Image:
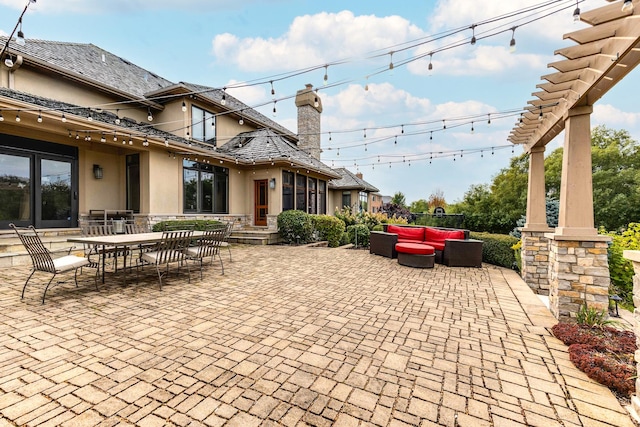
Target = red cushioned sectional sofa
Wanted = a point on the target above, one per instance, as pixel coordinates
(453, 246)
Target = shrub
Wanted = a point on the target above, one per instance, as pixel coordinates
(359, 235)
(497, 248)
(295, 226)
(329, 228)
(346, 216)
(197, 224)
(344, 239)
(621, 269)
(517, 253)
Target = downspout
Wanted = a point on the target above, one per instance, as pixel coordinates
(16, 65)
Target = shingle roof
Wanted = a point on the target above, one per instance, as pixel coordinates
(233, 104)
(264, 145)
(92, 63)
(349, 181)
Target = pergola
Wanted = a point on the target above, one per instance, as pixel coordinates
(570, 261)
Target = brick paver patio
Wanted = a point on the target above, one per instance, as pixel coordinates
(292, 336)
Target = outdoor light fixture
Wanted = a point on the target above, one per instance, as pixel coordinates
(272, 183)
(224, 96)
(473, 35)
(576, 13)
(627, 6)
(149, 115)
(97, 172)
(8, 61)
(184, 107)
(512, 43)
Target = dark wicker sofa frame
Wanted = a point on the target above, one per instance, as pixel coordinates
(456, 253)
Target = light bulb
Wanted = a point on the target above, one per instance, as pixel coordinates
(184, 107)
(18, 117)
(64, 118)
(627, 6)
(39, 117)
(149, 116)
(576, 14)
(241, 121)
(1, 118)
(8, 62)
(20, 38)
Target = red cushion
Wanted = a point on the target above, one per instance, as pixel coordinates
(438, 246)
(414, 248)
(435, 235)
(409, 241)
(409, 233)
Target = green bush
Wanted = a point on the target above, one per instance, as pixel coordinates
(497, 248)
(344, 239)
(378, 227)
(329, 228)
(359, 235)
(346, 216)
(621, 269)
(197, 224)
(295, 227)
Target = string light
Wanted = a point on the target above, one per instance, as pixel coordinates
(540, 116)
(472, 130)
(18, 116)
(149, 115)
(489, 120)
(1, 117)
(274, 108)
(241, 121)
(326, 75)
(39, 116)
(224, 96)
(102, 138)
(63, 119)
(473, 34)
(273, 91)
(391, 61)
(627, 6)
(512, 43)
(430, 67)
(118, 113)
(184, 107)
(576, 13)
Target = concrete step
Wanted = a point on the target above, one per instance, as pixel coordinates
(13, 253)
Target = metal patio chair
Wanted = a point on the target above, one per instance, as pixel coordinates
(171, 249)
(225, 241)
(208, 246)
(43, 259)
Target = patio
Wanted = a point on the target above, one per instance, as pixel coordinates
(292, 336)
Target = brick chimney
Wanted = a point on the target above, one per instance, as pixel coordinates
(309, 110)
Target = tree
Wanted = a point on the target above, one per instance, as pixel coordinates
(399, 200)
(419, 206)
(437, 199)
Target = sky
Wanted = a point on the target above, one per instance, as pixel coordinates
(386, 122)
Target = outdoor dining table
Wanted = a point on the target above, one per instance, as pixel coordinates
(122, 241)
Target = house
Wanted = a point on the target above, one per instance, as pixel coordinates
(83, 130)
(350, 190)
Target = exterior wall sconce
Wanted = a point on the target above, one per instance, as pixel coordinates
(272, 183)
(97, 172)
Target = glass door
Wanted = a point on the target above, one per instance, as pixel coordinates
(15, 190)
(55, 194)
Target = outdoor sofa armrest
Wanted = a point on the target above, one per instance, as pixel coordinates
(382, 243)
(462, 253)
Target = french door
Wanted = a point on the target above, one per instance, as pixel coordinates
(38, 189)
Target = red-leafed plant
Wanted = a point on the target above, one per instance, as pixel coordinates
(604, 353)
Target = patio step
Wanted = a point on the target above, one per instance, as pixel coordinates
(254, 237)
(12, 253)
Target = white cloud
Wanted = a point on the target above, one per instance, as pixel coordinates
(250, 95)
(315, 39)
(611, 116)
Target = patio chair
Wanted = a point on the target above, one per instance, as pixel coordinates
(43, 260)
(225, 241)
(97, 253)
(208, 247)
(171, 249)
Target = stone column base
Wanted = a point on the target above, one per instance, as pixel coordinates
(535, 261)
(578, 274)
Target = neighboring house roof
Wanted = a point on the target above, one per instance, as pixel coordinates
(265, 145)
(349, 181)
(92, 64)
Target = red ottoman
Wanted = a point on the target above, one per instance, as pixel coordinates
(415, 255)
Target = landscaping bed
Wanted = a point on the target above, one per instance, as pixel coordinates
(604, 353)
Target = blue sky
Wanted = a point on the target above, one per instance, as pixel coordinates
(220, 43)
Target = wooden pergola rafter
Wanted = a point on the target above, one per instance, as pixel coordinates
(605, 53)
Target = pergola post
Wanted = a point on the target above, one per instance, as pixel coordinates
(578, 265)
(535, 246)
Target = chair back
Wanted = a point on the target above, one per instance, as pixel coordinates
(173, 246)
(96, 228)
(209, 243)
(137, 226)
(40, 255)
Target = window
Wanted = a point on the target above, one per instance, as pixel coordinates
(301, 193)
(205, 188)
(287, 191)
(363, 205)
(322, 197)
(133, 182)
(346, 199)
(203, 125)
(313, 206)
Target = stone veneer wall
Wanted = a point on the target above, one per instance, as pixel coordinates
(578, 272)
(535, 261)
(634, 257)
